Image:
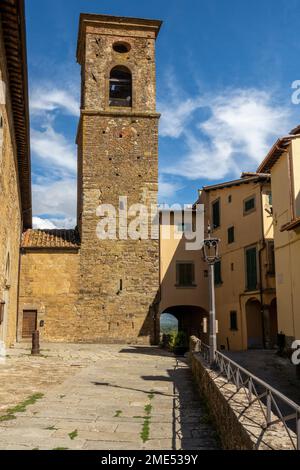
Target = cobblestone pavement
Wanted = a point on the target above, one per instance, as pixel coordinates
(101, 397)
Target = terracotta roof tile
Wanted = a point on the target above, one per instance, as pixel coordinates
(50, 239)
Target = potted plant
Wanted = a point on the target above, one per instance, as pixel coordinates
(180, 345)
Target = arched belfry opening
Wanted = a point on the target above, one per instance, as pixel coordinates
(120, 87)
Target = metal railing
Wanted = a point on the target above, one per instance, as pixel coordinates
(270, 400)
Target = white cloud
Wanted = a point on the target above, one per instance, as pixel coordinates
(57, 200)
(54, 155)
(43, 224)
(66, 223)
(53, 149)
(237, 135)
(175, 117)
(167, 189)
(45, 99)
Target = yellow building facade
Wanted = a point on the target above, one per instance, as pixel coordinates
(283, 163)
(239, 213)
(183, 284)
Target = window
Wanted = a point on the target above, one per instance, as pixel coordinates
(229, 199)
(184, 227)
(249, 205)
(217, 269)
(2, 305)
(121, 47)
(230, 234)
(233, 321)
(216, 213)
(271, 258)
(120, 87)
(251, 268)
(185, 274)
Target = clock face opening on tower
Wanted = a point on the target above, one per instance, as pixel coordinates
(120, 87)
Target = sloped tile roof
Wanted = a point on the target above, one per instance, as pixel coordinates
(50, 239)
(12, 18)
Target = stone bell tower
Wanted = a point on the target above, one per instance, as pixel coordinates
(117, 157)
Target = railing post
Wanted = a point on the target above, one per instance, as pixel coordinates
(250, 389)
(237, 380)
(269, 407)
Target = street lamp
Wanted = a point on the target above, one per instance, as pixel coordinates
(211, 255)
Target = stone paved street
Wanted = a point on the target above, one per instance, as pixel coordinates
(101, 397)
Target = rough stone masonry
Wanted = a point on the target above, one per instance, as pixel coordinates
(113, 293)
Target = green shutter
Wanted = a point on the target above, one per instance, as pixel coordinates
(185, 274)
(251, 268)
(216, 214)
(231, 235)
(233, 321)
(217, 269)
(249, 204)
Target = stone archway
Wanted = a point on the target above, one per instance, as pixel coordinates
(254, 324)
(190, 319)
(168, 323)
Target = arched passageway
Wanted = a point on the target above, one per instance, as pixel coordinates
(168, 324)
(190, 319)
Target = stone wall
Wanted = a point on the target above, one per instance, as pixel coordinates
(118, 157)
(11, 223)
(108, 291)
(49, 285)
(240, 426)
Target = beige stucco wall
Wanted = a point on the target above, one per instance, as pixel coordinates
(10, 226)
(287, 244)
(173, 250)
(295, 154)
(49, 285)
(250, 230)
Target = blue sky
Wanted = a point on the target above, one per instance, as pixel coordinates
(224, 75)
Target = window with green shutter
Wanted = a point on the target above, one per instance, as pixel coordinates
(233, 321)
(231, 235)
(185, 274)
(249, 205)
(217, 269)
(251, 268)
(216, 214)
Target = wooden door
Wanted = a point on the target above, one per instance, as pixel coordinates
(29, 323)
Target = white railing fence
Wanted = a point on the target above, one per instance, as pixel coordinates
(275, 407)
